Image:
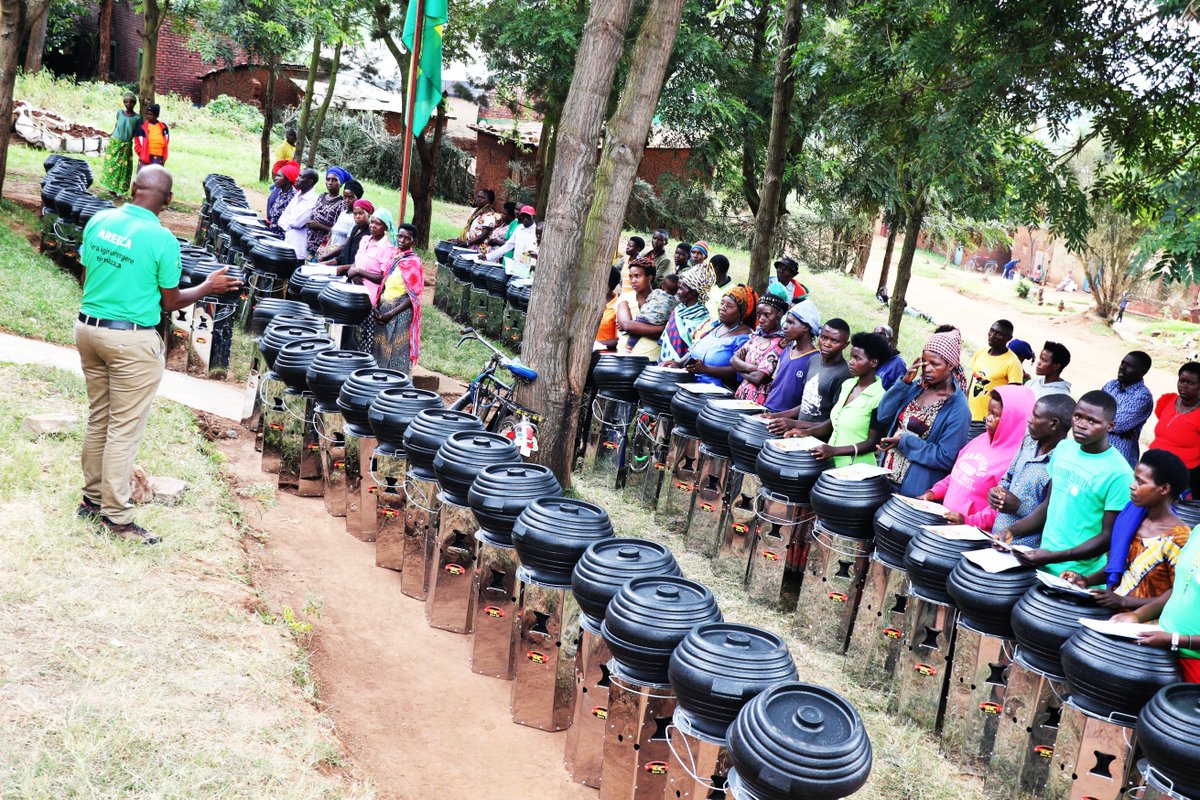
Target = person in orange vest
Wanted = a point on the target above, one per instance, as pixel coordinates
(151, 138)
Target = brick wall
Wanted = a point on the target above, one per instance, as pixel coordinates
(492, 157)
(249, 85)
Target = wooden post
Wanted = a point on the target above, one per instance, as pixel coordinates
(410, 99)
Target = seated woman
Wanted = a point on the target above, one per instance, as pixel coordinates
(690, 314)
(1178, 427)
(482, 221)
(344, 258)
(343, 226)
(640, 337)
(716, 341)
(1177, 612)
(398, 307)
(983, 463)
(506, 223)
(1146, 537)
(925, 421)
(852, 431)
(756, 360)
(371, 265)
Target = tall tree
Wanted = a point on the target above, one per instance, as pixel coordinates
(554, 349)
(104, 39)
(771, 191)
(16, 21)
(37, 42)
(154, 13)
(306, 103)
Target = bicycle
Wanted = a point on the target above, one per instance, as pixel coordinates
(491, 399)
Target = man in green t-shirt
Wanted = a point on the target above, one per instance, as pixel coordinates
(131, 276)
(1089, 485)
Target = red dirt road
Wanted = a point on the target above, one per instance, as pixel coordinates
(407, 707)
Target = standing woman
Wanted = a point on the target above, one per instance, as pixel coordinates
(926, 421)
(282, 193)
(326, 211)
(344, 259)
(717, 340)
(689, 315)
(398, 310)
(1178, 427)
(371, 262)
(343, 226)
(756, 361)
(117, 171)
(852, 440)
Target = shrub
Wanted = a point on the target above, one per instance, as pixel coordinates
(1023, 288)
(230, 109)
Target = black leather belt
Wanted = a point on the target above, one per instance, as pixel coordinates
(113, 324)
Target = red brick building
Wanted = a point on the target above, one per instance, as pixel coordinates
(248, 83)
(496, 151)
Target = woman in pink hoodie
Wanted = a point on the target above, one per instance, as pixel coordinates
(982, 463)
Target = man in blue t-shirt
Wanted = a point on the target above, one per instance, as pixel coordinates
(1089, 485)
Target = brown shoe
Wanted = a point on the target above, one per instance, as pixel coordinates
(88, 511)
(130, 532)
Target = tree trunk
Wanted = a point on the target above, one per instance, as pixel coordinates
(863, 254)
(542, 160)
(749, 145)
(421, 189)
(15, 22)
(320, 121)
(104, 32)
(770, 194)
(264, 162)
(543, 185)
(559, 350)
(912, 232)
(306, 103)
(37, 43)
(893, 227)
(153, 14)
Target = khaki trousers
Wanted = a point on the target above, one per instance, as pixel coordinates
(122, 370)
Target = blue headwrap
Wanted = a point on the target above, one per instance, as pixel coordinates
(341, 174)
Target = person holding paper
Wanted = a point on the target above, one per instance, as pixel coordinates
(1027, 481)
(523, 241)
(823, 381)
(1088, 487)
(1177, 612)
(1146, 538)
(983, 462)
(926, 421)
(851, 429)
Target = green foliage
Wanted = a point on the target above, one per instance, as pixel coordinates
(1023, 289)
(231, 109)
(37, 299)
(64, 24)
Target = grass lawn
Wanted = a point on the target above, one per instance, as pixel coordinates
(141, 671)
(908, 763)
(37, 299)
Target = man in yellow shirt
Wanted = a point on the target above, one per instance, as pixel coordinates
(992, 367)
(287, 148)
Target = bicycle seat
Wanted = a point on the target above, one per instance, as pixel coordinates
(520, 370)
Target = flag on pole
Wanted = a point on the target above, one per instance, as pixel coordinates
(429, 60)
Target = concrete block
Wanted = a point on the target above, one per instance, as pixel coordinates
(48, 424)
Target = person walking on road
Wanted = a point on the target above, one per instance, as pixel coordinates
(131, 277)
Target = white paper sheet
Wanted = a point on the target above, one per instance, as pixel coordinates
(737, 404)
(858, 472)
(1058, 584)
(961, 533)
(317, 269)
(992, 560)
(703, 388)
(795, 443)
(928, 506)
(1125, 630)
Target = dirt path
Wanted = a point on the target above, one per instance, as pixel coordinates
(1094, 357)
(407, 707)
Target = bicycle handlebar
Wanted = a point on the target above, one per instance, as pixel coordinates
(516, 368)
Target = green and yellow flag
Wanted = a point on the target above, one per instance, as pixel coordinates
(429, 60)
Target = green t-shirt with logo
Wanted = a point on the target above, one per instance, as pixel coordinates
(127, 256)
(1083, 487)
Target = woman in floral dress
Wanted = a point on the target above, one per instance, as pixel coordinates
(327, 210)
(756, 361)
(117, 171)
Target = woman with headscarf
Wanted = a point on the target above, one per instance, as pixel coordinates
(282, 193)
(689, 315)
(925, 420)
(339, 234)
(371, 262)
(326, 211)
(482, 222)
(756, 361)
(344, 259)
(398, 308)
(699, 253)
(117, 171)
(717, 340)
(982, 464)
